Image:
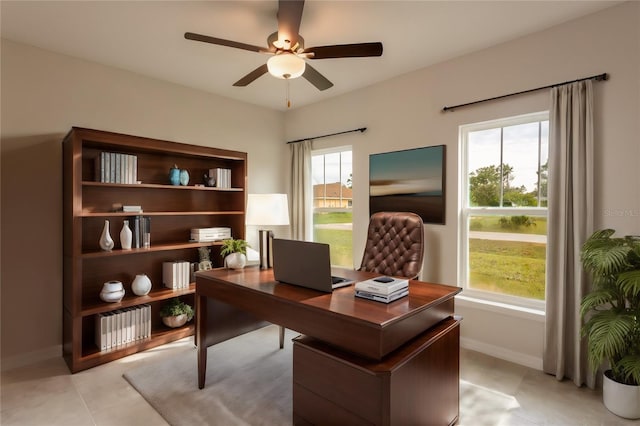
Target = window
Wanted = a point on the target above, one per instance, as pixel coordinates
(504, 209)
(332, 203)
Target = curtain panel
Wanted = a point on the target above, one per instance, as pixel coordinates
(570, 223)
(301, 190)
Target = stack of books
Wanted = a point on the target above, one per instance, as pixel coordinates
(119, 328)
(222, 176)
(201, 235)
(118, 168)
(176, 274)
(382, 289)
(131, 209)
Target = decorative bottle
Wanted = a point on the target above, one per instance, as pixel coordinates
(126, 236)
(106, 242)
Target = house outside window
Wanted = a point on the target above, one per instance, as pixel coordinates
(331, 172)
(503, 218)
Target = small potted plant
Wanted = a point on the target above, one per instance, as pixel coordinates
(234, 252)
(176, 313)
(612, 314)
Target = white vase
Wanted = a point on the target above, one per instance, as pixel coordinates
(112, 291)
(141, 285)
(126, 236)
(106, 242)
(622, 400)
(235, 261)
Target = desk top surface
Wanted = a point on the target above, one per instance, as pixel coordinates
(342, 301)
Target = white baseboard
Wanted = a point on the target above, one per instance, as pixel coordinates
(16, 361)
(502, 353)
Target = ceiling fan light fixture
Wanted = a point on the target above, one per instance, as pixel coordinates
(286, 66)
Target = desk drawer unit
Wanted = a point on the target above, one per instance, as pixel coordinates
(417, 384)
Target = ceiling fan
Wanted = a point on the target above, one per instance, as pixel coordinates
(287, 47)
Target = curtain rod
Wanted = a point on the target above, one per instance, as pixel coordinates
(361, 129)
(599, 77)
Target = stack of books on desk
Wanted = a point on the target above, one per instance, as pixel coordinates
(382, 289)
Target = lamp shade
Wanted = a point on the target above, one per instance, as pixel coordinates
(267, 209)
(286, 65)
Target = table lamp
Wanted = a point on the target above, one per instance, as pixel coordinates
(267, 210)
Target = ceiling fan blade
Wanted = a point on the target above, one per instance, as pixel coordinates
(249, 78)
(315, 78)
(289, 18)
(223, 42)
(345, 50)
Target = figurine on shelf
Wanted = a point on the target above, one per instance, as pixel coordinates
(209, 181)
(205, 260)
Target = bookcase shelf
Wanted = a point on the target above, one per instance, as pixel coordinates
(173, 213)
(153, 248)
(92, 356)
(99, 307)
(159, 186)
(173, 210)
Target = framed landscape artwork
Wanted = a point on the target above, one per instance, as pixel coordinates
(412, 180)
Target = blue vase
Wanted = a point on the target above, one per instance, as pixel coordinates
(174, 175)
(184, 177)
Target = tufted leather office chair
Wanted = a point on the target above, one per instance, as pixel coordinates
(395, 245)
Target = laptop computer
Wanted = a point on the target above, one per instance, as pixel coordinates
(306, 264)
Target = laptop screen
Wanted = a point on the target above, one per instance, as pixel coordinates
(303, 263)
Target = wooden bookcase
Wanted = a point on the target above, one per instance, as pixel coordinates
(173, 210)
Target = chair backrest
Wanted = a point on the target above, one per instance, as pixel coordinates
(395, 244)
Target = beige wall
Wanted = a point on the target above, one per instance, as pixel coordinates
(405, 112)
(43, 95)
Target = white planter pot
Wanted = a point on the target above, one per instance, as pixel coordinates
(176, 321)
(622, 400)
(235, 261)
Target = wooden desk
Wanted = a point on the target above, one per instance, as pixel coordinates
(369, 330)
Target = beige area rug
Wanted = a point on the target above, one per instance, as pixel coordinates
(249, 383)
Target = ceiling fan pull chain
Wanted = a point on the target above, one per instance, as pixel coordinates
(288, 97)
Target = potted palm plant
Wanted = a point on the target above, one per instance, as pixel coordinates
(234, 252)
(612, 317)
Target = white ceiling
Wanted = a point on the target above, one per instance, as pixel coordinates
(147, 37)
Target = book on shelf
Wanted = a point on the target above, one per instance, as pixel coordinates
(131, 209)
(210, 234)
(123, 326)
(382, 285)
(115, 167)
(141, 231)
(222, 175)
(383, 298)
(176, 274)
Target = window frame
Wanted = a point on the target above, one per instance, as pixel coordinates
(324, 152)
(466, 211)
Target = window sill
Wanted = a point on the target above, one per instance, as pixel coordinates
(501, 308)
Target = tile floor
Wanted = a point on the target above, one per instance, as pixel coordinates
(47, 394)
